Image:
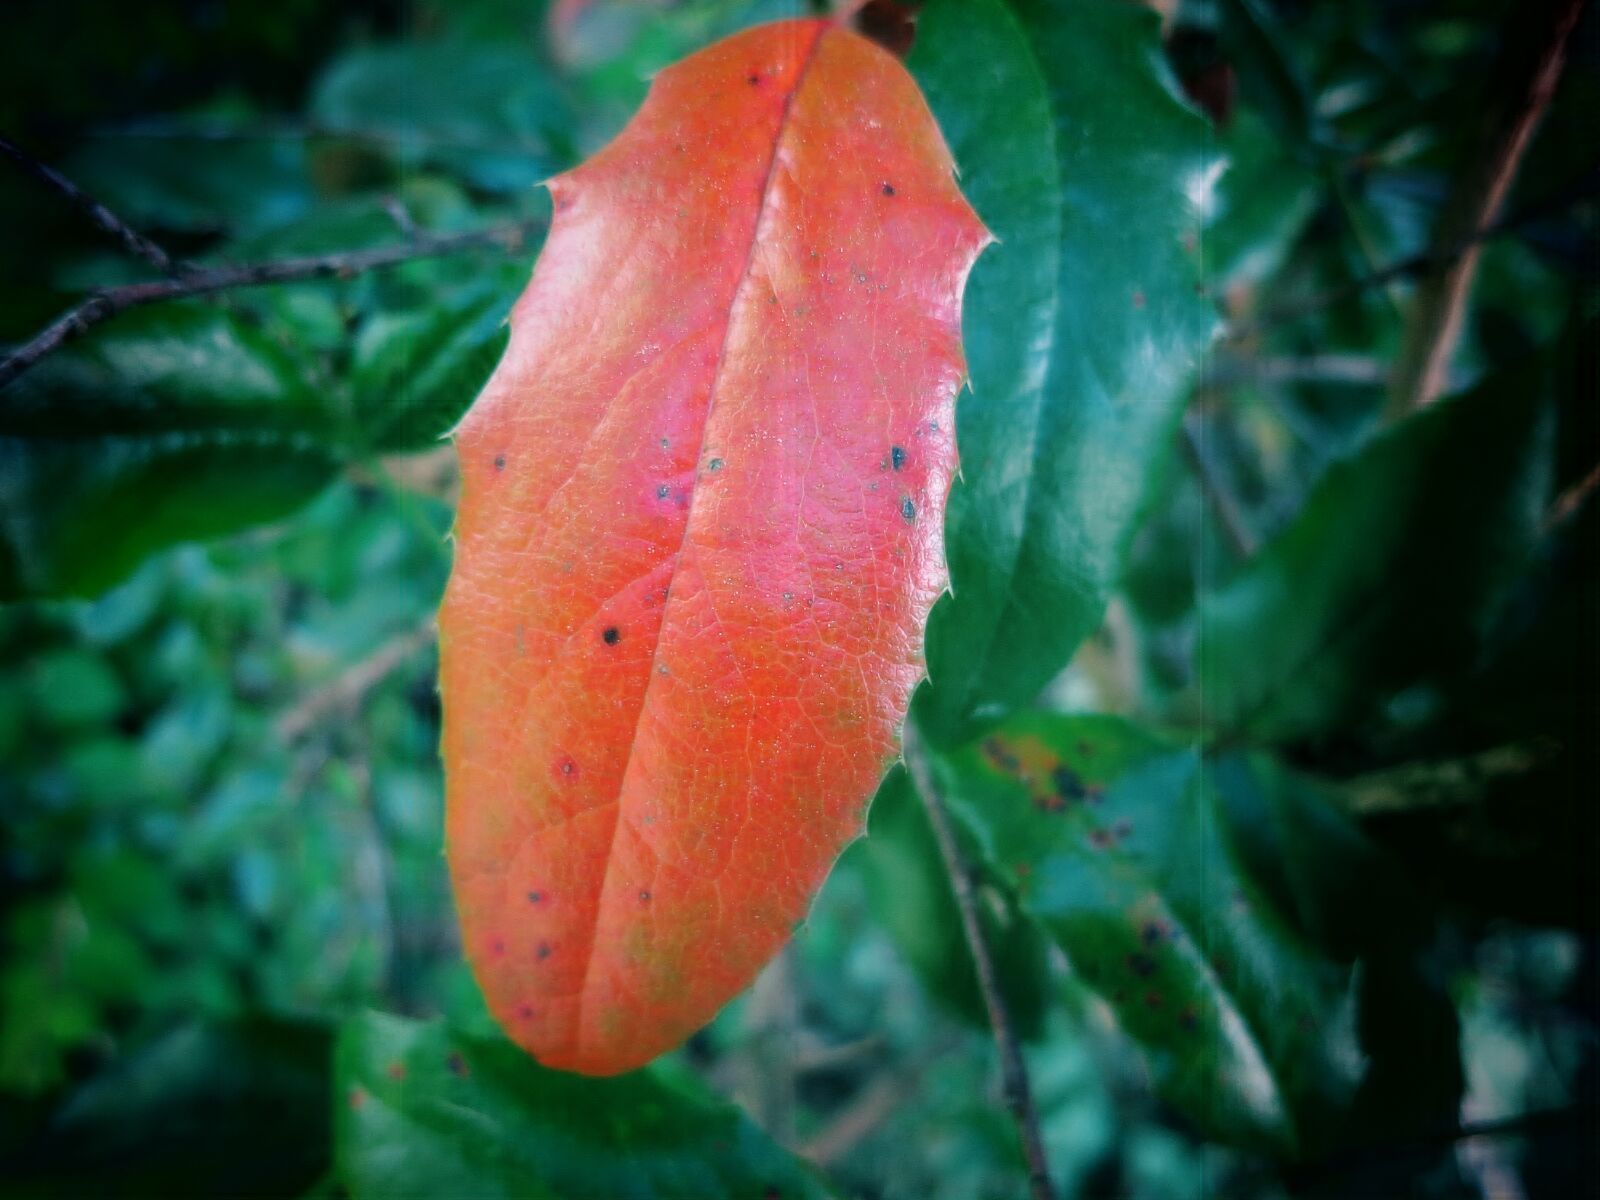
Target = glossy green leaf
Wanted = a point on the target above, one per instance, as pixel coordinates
(1115, 841)
(1082, 325)
(1259, 206)
(425, 1111)
(184, 422)
(492, 114)
(1389, 572)
(908, 887)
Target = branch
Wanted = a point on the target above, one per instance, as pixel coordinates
(102, 218)
(1240, 540)
(108, 302)
(1439, 307)
(1013, 1072)
(350, 686)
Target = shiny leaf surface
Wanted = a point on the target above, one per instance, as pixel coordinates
(699, 534)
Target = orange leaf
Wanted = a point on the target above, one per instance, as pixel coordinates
(699, 535)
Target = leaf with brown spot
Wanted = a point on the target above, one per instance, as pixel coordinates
(698, 323)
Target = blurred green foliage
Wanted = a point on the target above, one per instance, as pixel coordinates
(1289, 871)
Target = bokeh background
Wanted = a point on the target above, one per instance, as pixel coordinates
(220, 801)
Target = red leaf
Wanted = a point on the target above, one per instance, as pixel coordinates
(699, 535)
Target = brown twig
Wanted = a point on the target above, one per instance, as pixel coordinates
(347, 689)
(1439, 307)
(108, 302)
(102, 218)
(1221, 501)
(1013, 1072)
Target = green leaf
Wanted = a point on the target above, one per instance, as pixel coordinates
(1389, 572)
(1261, 203)
(1081, 326)
(490, 113)
(1115, 842)
(423, 1111)
(908, 887)
(202, 1110)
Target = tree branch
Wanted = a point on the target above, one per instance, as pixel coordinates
(1240, 540)
(200, 281)
(102, 218)
(1439, 308)
(1013, 1072)
(351, 685)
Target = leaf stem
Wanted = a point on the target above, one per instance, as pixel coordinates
(200, 281)
(1013, 1072)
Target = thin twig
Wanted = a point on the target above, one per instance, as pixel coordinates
(1240, 540)
(98, 215)
(1013, 1072)
(1439, 307)
(1415, 264)
(351, 685)
(108, 302)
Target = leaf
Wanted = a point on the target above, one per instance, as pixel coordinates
(182, 422)
(909, 889)
(1082, 326)
(1114, 841)
(490, 113)
(1388, 573)
(201, 1110)
(698, 537)
(427, 1112)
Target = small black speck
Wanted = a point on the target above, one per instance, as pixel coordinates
(888, 189)
(908, 510)
(665, 442)
(753, 80)
(543, 952)
(897, 457)
(499, 462)
(612, 635)
(714, 465)
(535, 897)
(662, 491)
(644, 896)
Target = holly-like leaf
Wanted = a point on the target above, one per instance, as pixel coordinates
(699, 535)
(424, 1111)
(1082, 327)
(1115, 841)
(1389, 573)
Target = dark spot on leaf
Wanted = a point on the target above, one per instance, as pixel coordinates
(525, 1011)
(714, 465)
(1100, 838)
(859, 276)
(1138, 299)
(644, 896)
(1189, 1020)
(1086, 749)
(1141, 965)
(358, 1097)
(897, 457)
(999, 754)
(611, 636)
(499, 462)
(1153, 932)
(1152, 1000)
(1123, 829)
(788, 597)
(395, 1071)
(567, 767)
(662, 491)
(888, 189)
(1067, 784)
(1048, 802)
(1094, 793)
(456, 1065)
(543, 951)
(908, 510)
